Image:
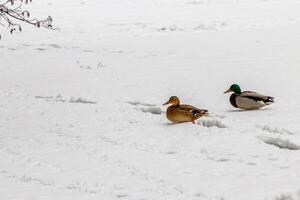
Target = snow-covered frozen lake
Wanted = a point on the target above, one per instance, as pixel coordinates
(81, 108)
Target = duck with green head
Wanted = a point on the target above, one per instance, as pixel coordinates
(247, 100)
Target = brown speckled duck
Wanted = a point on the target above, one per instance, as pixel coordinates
(183, 113)
(248, 100)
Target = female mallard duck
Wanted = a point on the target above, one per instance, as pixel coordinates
(183, 113)
(247, 100)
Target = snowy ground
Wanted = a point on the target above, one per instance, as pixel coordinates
(81, 115)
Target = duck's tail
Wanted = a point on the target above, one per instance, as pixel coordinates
(270, 100)
(201, 113)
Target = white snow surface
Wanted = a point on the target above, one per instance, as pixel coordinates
(81, 108)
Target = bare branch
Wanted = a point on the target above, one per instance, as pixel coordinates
(12, 14)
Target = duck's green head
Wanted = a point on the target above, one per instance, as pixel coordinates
(234, 88)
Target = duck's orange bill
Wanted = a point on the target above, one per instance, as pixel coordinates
(227, 91)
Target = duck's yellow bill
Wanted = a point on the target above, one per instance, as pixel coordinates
(227, 91)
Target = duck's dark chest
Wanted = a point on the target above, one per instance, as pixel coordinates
(233, 100)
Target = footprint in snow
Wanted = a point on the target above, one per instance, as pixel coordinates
(60, 98)
(279, 137)
(277, 130)
(209, 123)
(146, 107)
(283, 143)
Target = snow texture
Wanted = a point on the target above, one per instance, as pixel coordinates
(81, 108)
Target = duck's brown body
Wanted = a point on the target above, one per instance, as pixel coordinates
(183, 113)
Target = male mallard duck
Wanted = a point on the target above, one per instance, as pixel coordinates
(247, 100)
(183, 113)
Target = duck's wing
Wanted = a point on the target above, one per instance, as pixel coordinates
(257, 97)
(248, 103)
(252, 100)
(193, 110)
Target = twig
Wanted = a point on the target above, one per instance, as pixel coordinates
(12, 14)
